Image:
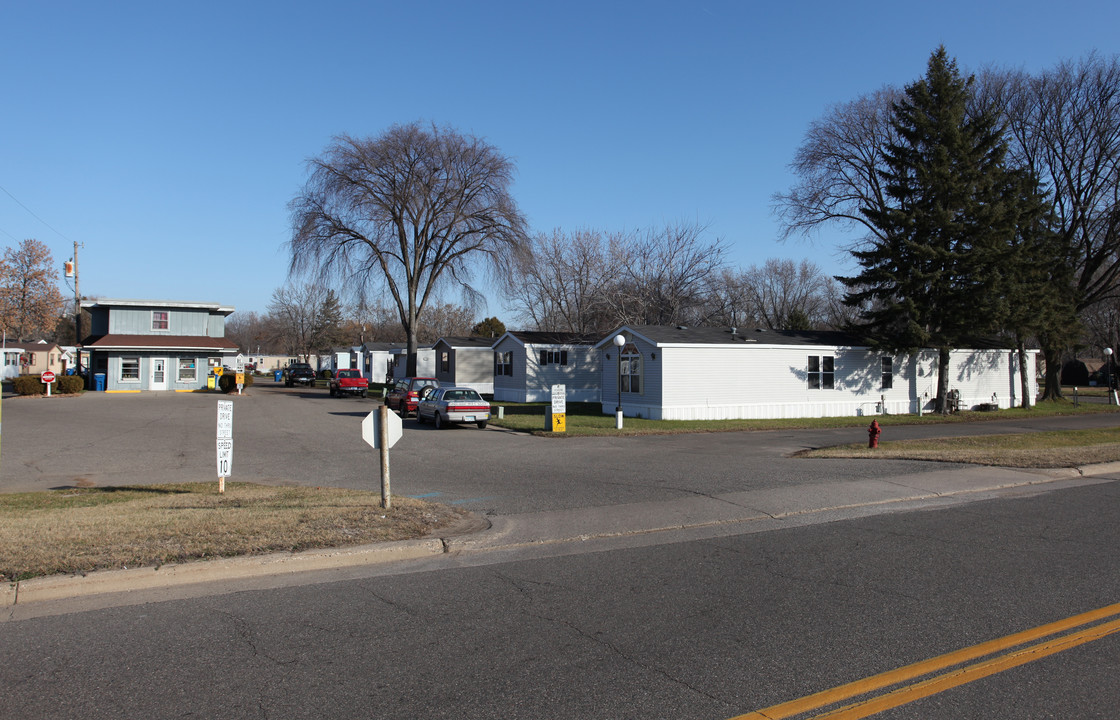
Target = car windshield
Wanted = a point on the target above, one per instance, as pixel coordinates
(349, 373)
(461, 395)
(424, 383)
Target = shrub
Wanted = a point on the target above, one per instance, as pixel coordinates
(70, 384)
(325, 374)
(28, 385)
(228, 383)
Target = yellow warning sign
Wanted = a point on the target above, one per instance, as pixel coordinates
(559, 423)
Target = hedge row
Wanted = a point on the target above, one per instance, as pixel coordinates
(63, 385)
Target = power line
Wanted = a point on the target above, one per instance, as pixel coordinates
(32, 214)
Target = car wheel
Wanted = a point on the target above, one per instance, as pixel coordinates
(362, 394)
(332, 392)
(419, 416)
(481, 424)
(437, 420)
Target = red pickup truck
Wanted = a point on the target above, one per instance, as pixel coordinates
(348, 382)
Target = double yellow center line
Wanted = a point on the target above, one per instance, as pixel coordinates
(1005, 653)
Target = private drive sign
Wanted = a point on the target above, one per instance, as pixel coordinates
(225, 442)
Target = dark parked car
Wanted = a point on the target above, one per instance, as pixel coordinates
(299, 374)
(453, 405)
(407, 392)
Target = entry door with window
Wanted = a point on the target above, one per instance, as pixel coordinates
(159, 374)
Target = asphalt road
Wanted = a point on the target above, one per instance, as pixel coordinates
(700, 629)
(300, 436)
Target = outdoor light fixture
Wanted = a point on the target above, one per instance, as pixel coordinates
(619, 341)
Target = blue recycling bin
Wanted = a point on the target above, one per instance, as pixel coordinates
(99, 382)
(278, 375)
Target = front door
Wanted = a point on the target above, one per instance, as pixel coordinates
(159, 374)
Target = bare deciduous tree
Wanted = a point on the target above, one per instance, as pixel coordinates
(561, 280)
(30, 302)
(839, 165)
(590, 282)
(411, 210)
(296, 311)
(667, 277)
(782, 289)
(1065, 124)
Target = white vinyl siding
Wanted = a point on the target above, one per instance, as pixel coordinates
(771, 382)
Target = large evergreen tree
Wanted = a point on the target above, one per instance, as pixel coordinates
(929, 276)
(1036, 276)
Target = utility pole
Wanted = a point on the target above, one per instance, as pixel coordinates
(77, 312)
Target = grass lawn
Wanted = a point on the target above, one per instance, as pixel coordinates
(84, 529)
(586, 419)
(1069, 448)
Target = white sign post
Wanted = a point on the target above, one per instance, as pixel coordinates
(239, 370)
(557, 421)
(381, 431)
(47, 378)
(225, 442)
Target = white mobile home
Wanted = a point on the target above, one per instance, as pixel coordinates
(466, 362)
(528, 364)
(678, 373)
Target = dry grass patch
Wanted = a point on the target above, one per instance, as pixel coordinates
(1028, 450)
(83, 529)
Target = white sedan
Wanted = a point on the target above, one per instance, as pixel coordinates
(453, 405)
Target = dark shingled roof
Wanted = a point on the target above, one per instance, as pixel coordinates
(669, 335)
(555, 338)
(462, 341)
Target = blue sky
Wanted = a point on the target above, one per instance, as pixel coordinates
(164, 137)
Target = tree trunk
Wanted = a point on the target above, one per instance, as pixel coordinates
(943, 380)
(1053, 357)
(1024, 379)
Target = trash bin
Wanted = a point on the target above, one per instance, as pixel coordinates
(278, 375)
(211, 381)
(99, 382)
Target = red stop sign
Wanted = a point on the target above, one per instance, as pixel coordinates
(47, 377)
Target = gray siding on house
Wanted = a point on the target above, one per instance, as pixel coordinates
(649, 396)
(181, 321)
(510, 388)
(532, 382)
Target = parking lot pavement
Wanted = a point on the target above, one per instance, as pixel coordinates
(304, 436)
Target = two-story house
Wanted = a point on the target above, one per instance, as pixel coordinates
(156, 344)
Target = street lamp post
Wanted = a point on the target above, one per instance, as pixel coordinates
(619, 341)
(1108, 373)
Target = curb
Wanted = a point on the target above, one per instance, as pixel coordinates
(57, 587)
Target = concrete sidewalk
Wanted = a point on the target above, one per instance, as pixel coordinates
(731, 513)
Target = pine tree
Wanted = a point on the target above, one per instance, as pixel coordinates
(1037, 277)
(930, 279)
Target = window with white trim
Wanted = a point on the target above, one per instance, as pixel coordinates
(161, 320)
(821, 372)
(445, 361)
(187, 371)
(130, 369)
(888, 373)
(503, 363)
(631, 370)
